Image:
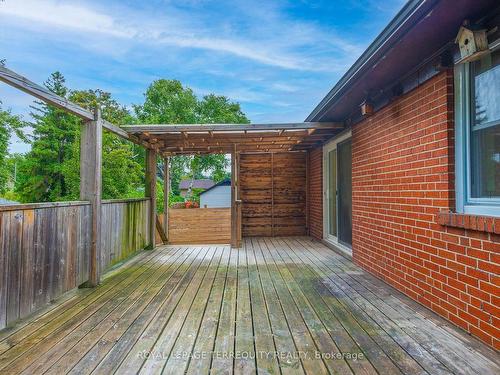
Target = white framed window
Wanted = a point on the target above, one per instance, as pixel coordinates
(477, 136)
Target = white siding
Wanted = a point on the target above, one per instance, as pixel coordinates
(219, 196)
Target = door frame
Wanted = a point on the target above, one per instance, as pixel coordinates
(332, 145)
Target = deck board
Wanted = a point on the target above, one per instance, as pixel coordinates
(275, 306)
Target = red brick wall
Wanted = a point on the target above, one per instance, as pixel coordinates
(315, 195)
(402, 177)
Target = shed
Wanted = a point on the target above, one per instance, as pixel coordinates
(217, 196)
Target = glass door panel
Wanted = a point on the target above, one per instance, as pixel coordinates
(344, 183)
(332, 192)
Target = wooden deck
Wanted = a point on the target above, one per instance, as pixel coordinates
(278, 305)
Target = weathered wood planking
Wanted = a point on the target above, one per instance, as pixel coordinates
(256, 194)
(273, 194)
(199, 225)
(43, 254)
(125, 230)
(314, 311)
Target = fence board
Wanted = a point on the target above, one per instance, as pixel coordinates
(199, 225)
(124, 229)
(273, 194)
(44, 249)
(40, 251)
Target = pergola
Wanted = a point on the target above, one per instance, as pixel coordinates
(166, 140)
(199, 139)
(175, 139)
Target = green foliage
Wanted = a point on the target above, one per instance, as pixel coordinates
(160, 198)
(54, 134)
(178, 166)
(219, 175)
(9, 124)
(174, 199)
(50, 171)
(122, 161)
(11, 167)
(218, 109)
(168, 101)
(195, 195)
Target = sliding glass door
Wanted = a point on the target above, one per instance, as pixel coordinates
(332, 193)
(337, 172)
(344, 195)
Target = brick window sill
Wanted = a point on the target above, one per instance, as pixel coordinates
(479, 223)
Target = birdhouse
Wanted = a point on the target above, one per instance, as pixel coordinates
(366, 108)
(472, 43)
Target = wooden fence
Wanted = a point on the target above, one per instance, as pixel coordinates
(199, 225)
(43, 253)
(273, 194)
(124, 230)
(44, 249)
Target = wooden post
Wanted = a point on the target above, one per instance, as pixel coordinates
(166, 192)
(272, 194)
(238, 203)
(307, 192)
(235, 201)
(151, 194)
(90, 188)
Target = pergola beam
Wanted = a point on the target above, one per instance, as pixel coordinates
(245, 151)
(24, 84)
(207, 128)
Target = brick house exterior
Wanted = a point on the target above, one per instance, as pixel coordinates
(405, 229)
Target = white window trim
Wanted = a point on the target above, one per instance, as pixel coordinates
(332, 240)
(464, 202)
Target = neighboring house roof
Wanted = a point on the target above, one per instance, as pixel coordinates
(415, 34)
(226, 182)
(197, 184)
(6, 201)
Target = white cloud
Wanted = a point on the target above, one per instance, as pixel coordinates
(280, 86)
(274, 41)
(64, 15)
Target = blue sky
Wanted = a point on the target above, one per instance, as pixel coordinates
(277, 58)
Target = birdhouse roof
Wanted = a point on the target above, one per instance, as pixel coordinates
(468, 29)
(461, 32)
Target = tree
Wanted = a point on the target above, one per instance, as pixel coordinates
(218, 109)
(122, 161)
(12, 163)
(9, 124)
(169, 102)
(54, 134)
(50, 171)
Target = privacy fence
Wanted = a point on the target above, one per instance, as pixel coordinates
(199, 225)
(44, 248)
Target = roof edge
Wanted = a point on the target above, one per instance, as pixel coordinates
(224, 182)
(406, 18)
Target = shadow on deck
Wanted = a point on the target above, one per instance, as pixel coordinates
(278, 305)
